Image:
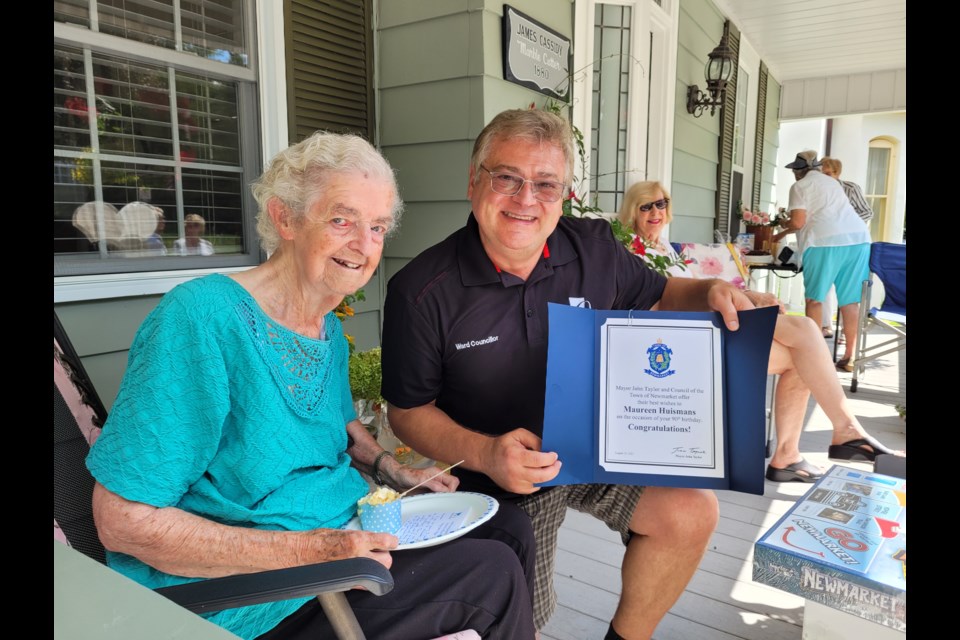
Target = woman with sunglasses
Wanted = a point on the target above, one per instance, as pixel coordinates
(798, 355)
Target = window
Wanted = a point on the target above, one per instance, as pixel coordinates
(611, 87)
(154, 120)
(623, 94)
(877, 189)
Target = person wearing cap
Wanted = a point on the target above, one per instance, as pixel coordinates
(834, 245)
(192, 244)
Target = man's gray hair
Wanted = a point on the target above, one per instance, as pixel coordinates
(531, 125)
(298, 175)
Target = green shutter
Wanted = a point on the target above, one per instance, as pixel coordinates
(758, 145)
(329, 55)
(725, 142)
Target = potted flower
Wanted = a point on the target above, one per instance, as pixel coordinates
(760, 224)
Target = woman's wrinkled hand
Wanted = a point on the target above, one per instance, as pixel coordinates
(326, 545)
(402, 478)
(760, 299)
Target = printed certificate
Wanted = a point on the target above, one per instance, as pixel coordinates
(661, 397)
(657, 398)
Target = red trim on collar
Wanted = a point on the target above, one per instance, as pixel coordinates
(546, 254)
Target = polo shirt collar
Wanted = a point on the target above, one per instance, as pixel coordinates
(476, 267)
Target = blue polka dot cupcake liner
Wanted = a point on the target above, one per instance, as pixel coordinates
(383, 518)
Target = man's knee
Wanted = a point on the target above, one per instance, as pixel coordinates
(685, 515)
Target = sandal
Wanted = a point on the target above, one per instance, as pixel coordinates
(853, 450)
(800, 471)
(827, 333)
(845, 364)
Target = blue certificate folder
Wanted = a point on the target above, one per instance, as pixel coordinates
(571, 421)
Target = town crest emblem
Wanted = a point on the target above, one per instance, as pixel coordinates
(659, 356)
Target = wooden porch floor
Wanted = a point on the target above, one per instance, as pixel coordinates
(722, 602)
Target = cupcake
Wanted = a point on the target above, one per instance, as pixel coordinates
(380, 511)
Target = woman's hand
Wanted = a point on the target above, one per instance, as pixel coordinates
(764, 300)
(401, 477)
(325, 545)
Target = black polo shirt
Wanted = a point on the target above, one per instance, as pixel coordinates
(475, 340)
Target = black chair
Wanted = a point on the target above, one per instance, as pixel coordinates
(73, 395)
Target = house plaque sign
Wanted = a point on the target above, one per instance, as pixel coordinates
(535, 56)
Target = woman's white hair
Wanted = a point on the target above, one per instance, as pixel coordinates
(298, 175)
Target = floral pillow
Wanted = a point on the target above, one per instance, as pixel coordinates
(715, 261)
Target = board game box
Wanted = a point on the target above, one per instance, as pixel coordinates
(844, 545)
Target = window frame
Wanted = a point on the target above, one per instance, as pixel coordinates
(72, 282)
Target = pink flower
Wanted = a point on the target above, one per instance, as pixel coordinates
(765, 218)
(711, 267)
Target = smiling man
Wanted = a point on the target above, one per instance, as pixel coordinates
(465, 350)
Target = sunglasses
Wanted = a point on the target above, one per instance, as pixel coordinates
(660, 204)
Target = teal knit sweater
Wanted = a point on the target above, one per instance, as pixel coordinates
(228, 415)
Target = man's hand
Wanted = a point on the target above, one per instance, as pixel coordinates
(514, 461)
(403, 477)
(764, 300)
(727, 300)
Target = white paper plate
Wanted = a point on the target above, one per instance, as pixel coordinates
(479, 507)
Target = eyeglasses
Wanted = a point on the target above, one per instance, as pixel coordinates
(508, 184)
(660, 204)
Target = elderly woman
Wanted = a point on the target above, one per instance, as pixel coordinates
(834, 245)
(832, 167)
(798, 355)
(233, 446)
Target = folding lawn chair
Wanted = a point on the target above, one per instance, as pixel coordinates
(888, 262)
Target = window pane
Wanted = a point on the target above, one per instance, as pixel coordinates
(214, 29)
(72, 11)
(149, 21)
(878, 162)
(611, 81)
(208, 120)
(71, 129)
(216, 197)
(133, 103)
(211, 29)
(72, 187)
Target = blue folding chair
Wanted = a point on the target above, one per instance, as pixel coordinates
(888, 261)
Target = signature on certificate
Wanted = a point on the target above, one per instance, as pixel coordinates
(691, 453)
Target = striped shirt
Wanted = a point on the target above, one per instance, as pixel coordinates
(860, 205)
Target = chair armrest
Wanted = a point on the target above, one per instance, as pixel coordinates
(247, 589)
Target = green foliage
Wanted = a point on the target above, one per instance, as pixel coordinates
(364, 371)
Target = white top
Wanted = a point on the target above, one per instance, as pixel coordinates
(831, 219)
(180, 248)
